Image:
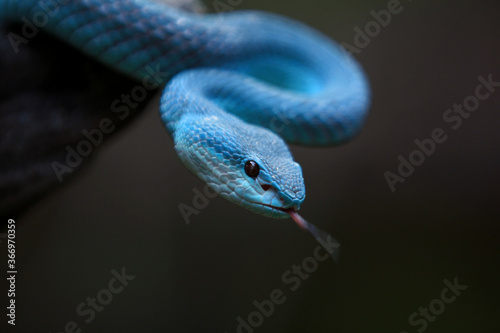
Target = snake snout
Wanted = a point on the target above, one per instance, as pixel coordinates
(288, 202)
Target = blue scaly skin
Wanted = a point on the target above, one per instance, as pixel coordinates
(242, 83)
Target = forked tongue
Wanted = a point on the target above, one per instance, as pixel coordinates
(330, 244)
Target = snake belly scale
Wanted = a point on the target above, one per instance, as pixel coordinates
(242, 84)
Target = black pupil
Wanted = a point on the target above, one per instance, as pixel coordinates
(252, 169)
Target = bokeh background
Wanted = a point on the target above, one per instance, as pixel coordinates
(398, 247)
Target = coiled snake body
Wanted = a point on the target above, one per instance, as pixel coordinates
(242, 83)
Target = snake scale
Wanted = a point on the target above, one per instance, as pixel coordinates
(242, 84)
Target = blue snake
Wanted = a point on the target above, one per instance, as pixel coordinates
(241, 85)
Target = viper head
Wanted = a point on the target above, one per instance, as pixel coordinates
(248, 165)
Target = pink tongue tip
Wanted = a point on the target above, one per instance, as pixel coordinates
(330, 244)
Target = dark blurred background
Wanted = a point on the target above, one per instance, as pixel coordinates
(442, 223)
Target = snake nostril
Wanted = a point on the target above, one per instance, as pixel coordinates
(265, 187)
(281, 199)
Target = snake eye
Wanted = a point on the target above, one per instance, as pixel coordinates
(252, 169)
